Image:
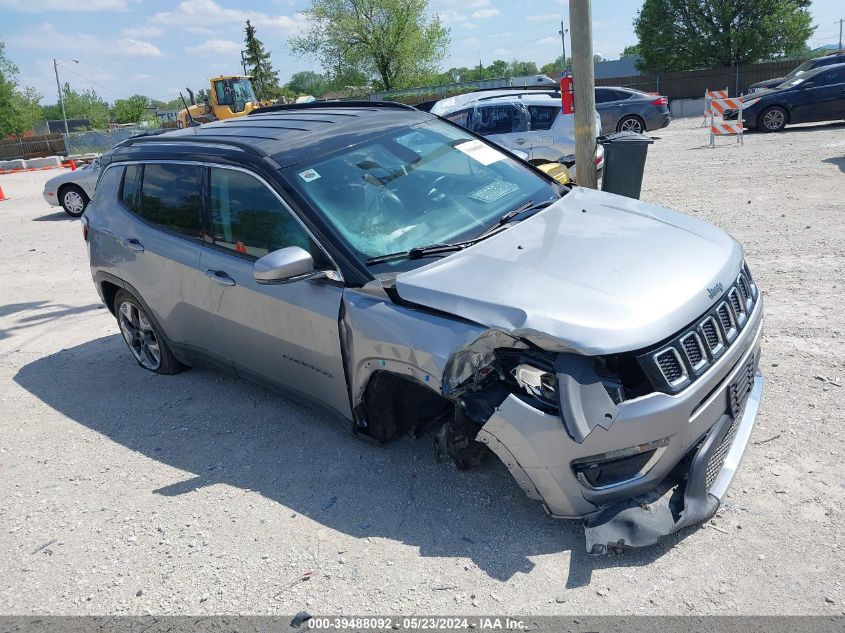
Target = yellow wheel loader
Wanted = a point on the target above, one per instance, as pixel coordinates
(231, 96)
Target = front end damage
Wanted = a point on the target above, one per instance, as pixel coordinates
(590, 437)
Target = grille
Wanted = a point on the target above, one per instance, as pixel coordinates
(687, 355)
(718, 457)
(725, 319)
(744, 288)
(694, 350)
(671, 366)
(740, 389)
(615, 471)
(711, 334)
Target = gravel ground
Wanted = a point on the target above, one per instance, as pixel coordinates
(123, 492)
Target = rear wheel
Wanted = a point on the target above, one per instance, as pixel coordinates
(74, 200)
(772, 119)
(143, 337)
(631, 123)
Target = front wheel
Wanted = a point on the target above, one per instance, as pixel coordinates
(631, 123)
(143, 337)
(772, 119)
(74, 200)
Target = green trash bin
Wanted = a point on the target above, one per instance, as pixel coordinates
(624, 162)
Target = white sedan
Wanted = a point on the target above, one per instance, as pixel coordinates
(73, 190)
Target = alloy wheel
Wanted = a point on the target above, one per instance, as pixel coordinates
(774, 120)
(631, 124)
(139, 335)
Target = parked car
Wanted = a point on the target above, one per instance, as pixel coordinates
(817, 95)
(73, 189)
(531, 122)
(409, 276)
(629, 110)
(807, 66)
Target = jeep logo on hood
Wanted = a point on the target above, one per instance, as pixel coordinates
(716, 290)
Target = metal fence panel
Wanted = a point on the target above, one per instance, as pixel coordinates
(99, 141)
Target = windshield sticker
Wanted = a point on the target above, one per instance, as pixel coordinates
(481, 152)
(308, 175)
(493, 191)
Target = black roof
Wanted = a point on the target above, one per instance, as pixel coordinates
(295, 133)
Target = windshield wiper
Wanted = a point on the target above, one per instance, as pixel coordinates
(510, 215)
(419, 252)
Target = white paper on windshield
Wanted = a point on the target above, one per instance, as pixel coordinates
(481, 152)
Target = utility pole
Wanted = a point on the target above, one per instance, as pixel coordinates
(840, 35)
(243, 61)
(583, 84)
(59, 87)
(563, 33)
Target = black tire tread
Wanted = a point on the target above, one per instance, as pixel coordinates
(169, 365)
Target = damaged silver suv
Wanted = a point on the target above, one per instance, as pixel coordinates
(411, 277)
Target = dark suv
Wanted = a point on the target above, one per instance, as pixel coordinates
(410, 278)
(807, 66)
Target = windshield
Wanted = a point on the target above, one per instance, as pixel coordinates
(800, 70)
(791, 83)
(235, 93)
(424, 185)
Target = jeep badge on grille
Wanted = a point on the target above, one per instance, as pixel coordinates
(716, 290)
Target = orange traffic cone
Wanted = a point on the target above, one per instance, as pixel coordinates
(72, 165)
(2, 195)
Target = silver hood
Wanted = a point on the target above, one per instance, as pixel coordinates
(594, 273)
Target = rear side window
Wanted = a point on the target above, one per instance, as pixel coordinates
(171, 197)
(542, 117)
(130, 187)
(247, 218)
(604, 95)
(499, 119)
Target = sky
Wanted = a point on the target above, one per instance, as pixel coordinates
(158, 47)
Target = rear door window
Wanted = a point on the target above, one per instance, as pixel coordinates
(130, 189)
(542, 117)
(171, 197)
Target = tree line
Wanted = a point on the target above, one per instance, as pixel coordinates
(372, 45)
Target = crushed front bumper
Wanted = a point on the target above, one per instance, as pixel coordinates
(675, 489)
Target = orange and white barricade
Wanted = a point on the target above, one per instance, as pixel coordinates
(709, 95)
(719, 126)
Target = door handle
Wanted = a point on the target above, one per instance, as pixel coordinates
(220, 277)
(519, 141)
(132, 244)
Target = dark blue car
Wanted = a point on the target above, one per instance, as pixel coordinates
(818, 95)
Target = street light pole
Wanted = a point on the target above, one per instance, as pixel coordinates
(563, 33)
(59, 87)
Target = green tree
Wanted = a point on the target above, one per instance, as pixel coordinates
(518, 69)
(393, 42)
(19, 109)
(265, 80)
(557, 66)
(130, 110)
(631, 51)
(80, 105)
(688, 34)
(308, 82)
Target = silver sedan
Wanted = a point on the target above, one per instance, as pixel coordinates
(73, 190)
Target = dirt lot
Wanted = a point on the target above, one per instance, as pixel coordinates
(201, 493)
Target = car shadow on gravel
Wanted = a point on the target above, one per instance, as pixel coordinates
(227, 431)
(45, 311)
(54, 217)
(838, 161)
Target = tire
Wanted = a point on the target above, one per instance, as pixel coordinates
(772, 119)
(143, 336)
(631, 123)
(74, 200)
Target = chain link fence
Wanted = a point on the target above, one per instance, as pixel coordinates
(99, 141)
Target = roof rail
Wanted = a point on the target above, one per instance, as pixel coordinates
(357, 103)
(183, 140)
(552, 92)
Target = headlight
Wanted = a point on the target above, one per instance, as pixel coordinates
(748, 104)
(536, 382)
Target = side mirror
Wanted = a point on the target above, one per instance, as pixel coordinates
(284, 266)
